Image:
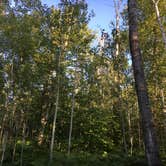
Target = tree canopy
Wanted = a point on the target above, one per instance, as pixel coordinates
(67, 98)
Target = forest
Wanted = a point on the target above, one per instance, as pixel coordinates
(70, 96)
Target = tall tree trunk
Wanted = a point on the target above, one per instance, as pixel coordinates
(56, 108)
(117, 4)
(151, 148)
(44, 120)
(164, 115)
(123, 129)
(45, 106)
(130, 131)
(71, 122)
(4, 143)
(5, 128)
(54, 125)
(14, 150)
(23, 143)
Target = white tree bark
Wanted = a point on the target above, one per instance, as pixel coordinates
(117, 12)
(117, 4)
(54, 123)
(56, 108)
(71, 122)
(159, 21)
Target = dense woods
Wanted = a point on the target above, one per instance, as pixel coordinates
(69, 99)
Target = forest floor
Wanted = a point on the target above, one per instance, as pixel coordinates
(38, 157)
(41, 159)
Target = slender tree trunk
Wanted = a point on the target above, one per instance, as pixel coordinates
(159, 21)
(14, 150)
(164, 115)
(23, 143)
(71, 123)
(163, 100)
(151, 148)
(45, 107)
(4, 143)
(130, 131)
(2, 126)
(5, 128)
(54, 125)
(117, 4)
(56, 108)
(44, 120)
(6, 114)
(123, 129)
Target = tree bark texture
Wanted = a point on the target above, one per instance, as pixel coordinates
(151, 148)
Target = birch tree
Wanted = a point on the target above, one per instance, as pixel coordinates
(155, 3)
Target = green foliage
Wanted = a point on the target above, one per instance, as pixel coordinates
(32, 36)
(40, 158)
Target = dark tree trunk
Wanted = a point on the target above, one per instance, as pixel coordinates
(151, 148)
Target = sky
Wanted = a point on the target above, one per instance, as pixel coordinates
(103, 9)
